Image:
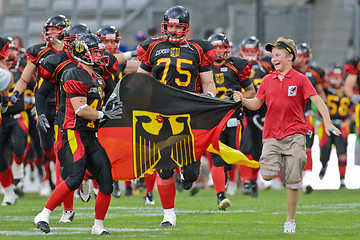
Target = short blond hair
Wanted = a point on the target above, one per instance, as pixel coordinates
(290, 43)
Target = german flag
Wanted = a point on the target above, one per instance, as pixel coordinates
(161, 127)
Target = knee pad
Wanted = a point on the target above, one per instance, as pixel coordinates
(229, 167)
(166, 174)
(74, 182)
(191, 172)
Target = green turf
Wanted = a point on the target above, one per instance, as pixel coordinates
(321, 215)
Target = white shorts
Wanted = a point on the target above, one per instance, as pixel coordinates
(5, 78)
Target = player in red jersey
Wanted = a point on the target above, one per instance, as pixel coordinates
(251, 143)
(230, 73)
(183, 64)
(351, 88)
(82, 94)
(316, 76)
(339, 107)
(52, 35)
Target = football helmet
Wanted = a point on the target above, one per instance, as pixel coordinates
(221, 44)
(249, 48)
(335, 74)
(303, 54)
(89, 49)
(58, 21)
(72, 32)
(175, 16)
(108, 34)
(13, 56)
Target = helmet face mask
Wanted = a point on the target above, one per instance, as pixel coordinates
(89, 50)
(55, 28)
(110, 36)
(222, 46)
(250, 49)
(335, 74)
(13, 55)
(175, 25)
(303, 55)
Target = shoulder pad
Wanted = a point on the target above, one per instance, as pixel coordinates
(238, 62)
(204, 44)
(35, 49)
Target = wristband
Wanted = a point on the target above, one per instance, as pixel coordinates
(80, 108)
(101, 115)
(130, 54)
(211, 94)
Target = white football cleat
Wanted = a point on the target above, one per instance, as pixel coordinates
(67, 216)
(85, 190)
(290, 227)
(169, 218)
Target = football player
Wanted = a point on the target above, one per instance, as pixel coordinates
(251, 144)
(230, 73)
(53, 36)
(183, 64)
(79, 113)
(317, 77)
(339, 107)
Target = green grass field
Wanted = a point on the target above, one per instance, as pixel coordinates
(321, 215)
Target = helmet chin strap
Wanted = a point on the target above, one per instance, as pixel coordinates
(60, 42)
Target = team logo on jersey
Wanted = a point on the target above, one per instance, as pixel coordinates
(292, 91)
(219, 78)
(160, 140)
(79, 47)
(175, 52)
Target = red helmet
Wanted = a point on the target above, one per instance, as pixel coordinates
(219, 39)
(175, 16)
(58, 21)
(250, 49)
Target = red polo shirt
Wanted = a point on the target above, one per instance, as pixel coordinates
(285, 102)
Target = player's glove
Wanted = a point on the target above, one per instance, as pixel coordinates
(355, 99)
(4, 103)
(42, 124)
(113, 108)
(15, 98)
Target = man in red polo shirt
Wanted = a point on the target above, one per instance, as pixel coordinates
(285, 92)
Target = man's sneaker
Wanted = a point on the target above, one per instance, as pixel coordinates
(67, 216)
(169, 218)
(222, 201)
(290, 227)
(342, 183)
(45, 189)
(128, 192)
(254, 189)
(96, 230)
(322, 172)
(85, 190)
(19, 187)
(116, 190)
(10, 196)
(246, 189)
(307, 189)
(149, 199)
(42, 222)
(177, 181)
(231, 189)
(194, 190)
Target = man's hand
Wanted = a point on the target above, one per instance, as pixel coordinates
(355, 99)
(15, 98)
(42, 124)
(113, 108)
(4, 104)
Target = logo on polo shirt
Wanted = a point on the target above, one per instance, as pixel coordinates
(292, 91)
